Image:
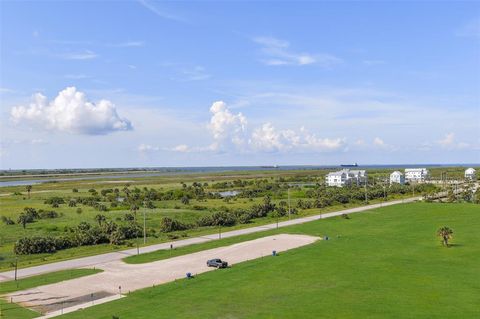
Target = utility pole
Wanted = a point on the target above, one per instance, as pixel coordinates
(366, 195)
(384, 192)
(289, 209)
(16, 267)
(144, 223)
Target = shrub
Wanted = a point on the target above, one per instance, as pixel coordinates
(218, 219)
(35, 245)
(150, 205)
(128, 217)
(55, 200)
(7, 220)
(117, 237)
(168, 225)
(130, 231)
(45, 214)
(41, 245)
(85, 235)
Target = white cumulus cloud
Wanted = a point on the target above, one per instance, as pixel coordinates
(146, 148)
(71, 112)
(449, 141)
(229, 132)
(267, 138)
(380, 143)
(225, 126)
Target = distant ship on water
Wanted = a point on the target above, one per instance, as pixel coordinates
(350, 165)
(272, 166)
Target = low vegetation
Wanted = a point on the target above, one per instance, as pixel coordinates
(73, 218)
(385, 263)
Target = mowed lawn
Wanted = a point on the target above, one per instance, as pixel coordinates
(387, 263)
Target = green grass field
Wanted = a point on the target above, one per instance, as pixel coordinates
(12, 205)
(387, 263)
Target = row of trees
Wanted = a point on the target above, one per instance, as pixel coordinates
(84, 234)
(227, 217)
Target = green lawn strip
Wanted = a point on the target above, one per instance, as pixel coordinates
(13, 311)
(385, 264)
(167, 253)
(45, 279)
(84, 251)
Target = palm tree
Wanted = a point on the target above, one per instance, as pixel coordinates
(100, 219)
(185, 200)
(446, 233)
(133, 208)
(29, 189)
(23, 219)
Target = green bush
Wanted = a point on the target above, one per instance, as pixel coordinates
(7, 220)
(168, 225)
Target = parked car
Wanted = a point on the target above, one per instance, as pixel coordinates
(217, 263)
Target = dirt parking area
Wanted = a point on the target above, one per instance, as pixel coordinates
(119, 277)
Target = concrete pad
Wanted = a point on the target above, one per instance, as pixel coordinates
(119, 277)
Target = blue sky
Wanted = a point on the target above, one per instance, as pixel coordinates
(145, 83)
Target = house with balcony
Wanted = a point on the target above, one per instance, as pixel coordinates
(416, 175)
(397, 178)
(346, 177)
(470, 174)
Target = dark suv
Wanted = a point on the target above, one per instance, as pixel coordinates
(217, 263)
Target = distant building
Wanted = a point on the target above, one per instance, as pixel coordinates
(470, 174)
(359, 176)
(338, 179)
(397, 178)
(346, 177)
(417, 175)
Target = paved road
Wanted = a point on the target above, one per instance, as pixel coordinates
(131, 277)
(91, 261)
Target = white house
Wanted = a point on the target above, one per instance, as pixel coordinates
(346, 177)
(359, 176)
(397, 177)
(470, 174)
(338, 179)
(418, 175)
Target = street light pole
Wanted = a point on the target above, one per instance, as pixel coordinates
(289, 209)
(144, 224)
(16, 267)
(366, 196)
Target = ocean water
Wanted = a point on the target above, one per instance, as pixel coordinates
(163, 171)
